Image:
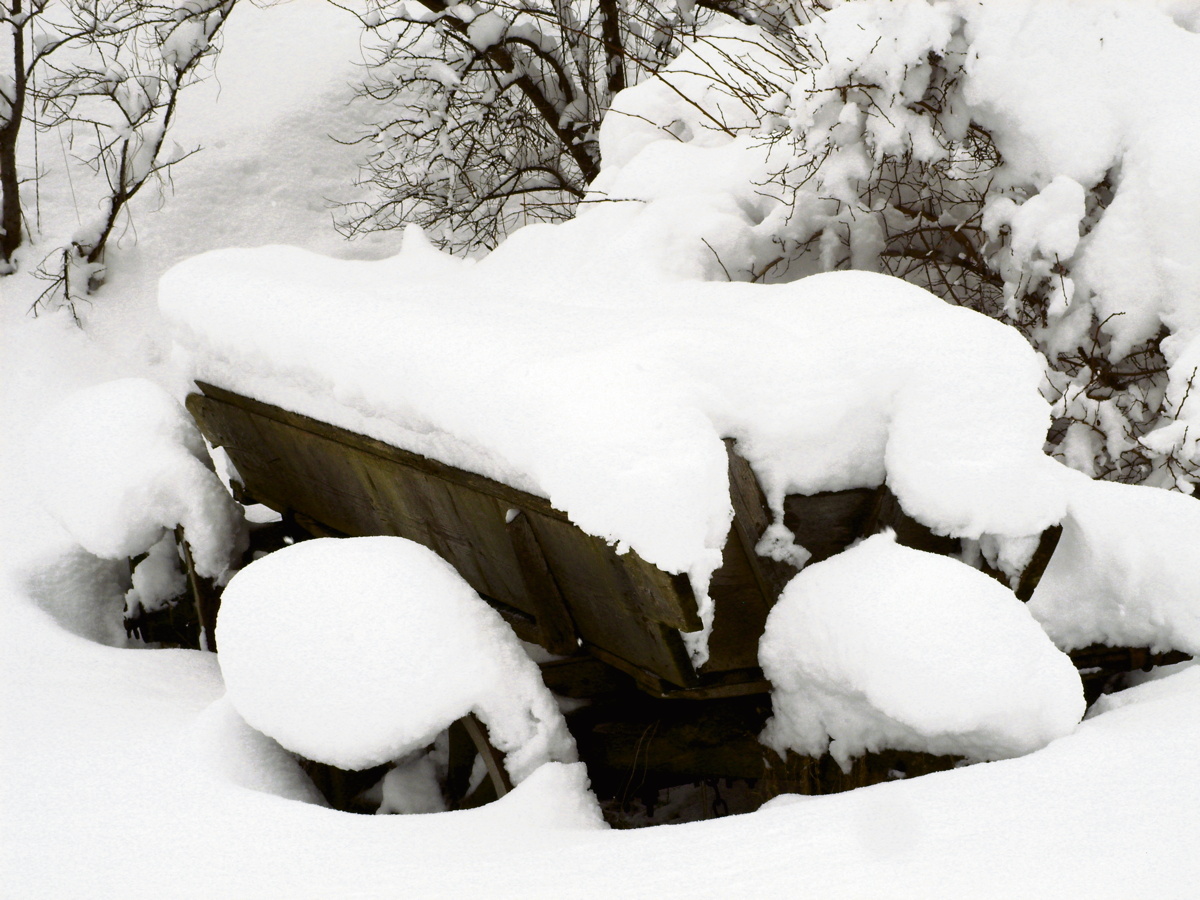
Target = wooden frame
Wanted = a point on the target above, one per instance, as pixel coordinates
(557, 586)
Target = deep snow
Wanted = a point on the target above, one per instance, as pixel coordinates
(124, 774)
(109, 793)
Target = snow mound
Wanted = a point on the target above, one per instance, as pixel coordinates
(230, 750)
(887, 647)
(121, 464)
(556, 796)
(612, 402)
(84, 594)
(359, 651)
(1126, 571)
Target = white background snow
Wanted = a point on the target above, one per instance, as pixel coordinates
(124, 773)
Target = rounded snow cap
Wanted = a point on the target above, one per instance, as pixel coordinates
(358, 651)
(884, 647)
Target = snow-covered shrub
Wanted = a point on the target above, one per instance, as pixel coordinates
(482, 117)
(885, 647)
(1007, 156)
(121, 465)
(360, 651)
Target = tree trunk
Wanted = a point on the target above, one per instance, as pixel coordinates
(10, 189)
(614, 52)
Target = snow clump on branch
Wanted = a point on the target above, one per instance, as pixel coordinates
(1005, 156)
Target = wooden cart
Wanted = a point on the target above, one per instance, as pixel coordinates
(611, 620)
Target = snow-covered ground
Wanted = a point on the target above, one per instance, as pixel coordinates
(126, 774)
(108, 794)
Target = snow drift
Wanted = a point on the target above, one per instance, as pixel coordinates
(121, 464)
(886, 647)
(360, 651)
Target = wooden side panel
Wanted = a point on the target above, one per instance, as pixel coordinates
(889, 514)
(619, 603)
(559, 634)
(510, 546)
(747, 585)
(741, 612)
(360, 493)
(828, 522)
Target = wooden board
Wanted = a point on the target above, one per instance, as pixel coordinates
(566, 588)
(557, 585)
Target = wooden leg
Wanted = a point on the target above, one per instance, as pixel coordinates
(205, 595)
(468, 743)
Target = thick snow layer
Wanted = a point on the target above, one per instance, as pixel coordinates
(359, 651)
(102, 759)
(106, 791)
(1126, 571)
(887, 647)
(613, 403)
(121, 463)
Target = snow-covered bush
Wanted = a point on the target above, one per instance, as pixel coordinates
(121, 465)
(1006, 156)
(483, 117)
(360, 651)
(885, 647)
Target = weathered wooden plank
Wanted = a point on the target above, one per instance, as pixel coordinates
(1037, 565)
(357, 486)
(751, 517)
(608, 610)
(828, 522)
(741, 609)
(553, 616)
(204, 595)
(512, 496)
(649, 680)
(888, 513)
(358, 493)
(746, 585)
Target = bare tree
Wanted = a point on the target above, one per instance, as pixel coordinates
(14, 82)
(106, 75)
(488, 113)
